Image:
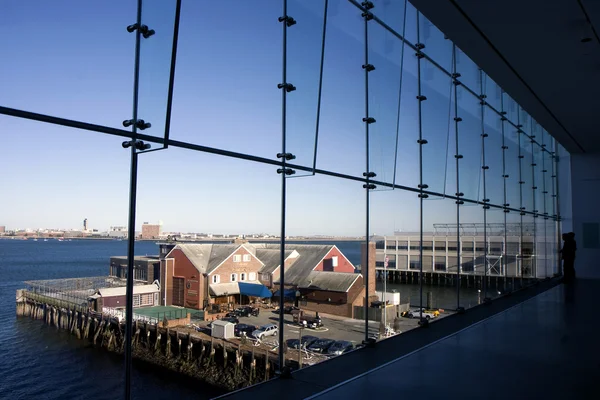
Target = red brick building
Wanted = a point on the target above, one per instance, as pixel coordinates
(197, 275)
(150, 231)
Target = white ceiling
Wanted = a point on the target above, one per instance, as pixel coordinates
(533, 49)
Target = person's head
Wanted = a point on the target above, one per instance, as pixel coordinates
(571, 235)
(565, 236)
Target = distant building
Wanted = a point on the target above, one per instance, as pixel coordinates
(508, 252)
(117, 232)
(2, 229)
(151, 231)
(145, 268)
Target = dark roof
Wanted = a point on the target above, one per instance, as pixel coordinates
(331, 281)
(271, 258)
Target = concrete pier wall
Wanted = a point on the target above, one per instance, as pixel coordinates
(217, 362)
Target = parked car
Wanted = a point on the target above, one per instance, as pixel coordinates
(233, 319)
(244, 311)
(303, 343)
(246, 329)
(265, 330)
(340, 347)
(312, 323)
(321, 345)
(426, 314)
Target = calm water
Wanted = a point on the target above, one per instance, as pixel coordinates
(39, 362)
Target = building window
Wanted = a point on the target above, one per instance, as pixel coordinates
(216, 279)
(233, 277)
(440, 263)
(252, 276)
(237, 258)
(380, 245)
(415, 245)
(136, 300)
(440, 246)
(334, 261)
(246, 257)
(146, 299)
(427, 246)
(414, 262)
(402, 245)
(265, 277)
(243, 276)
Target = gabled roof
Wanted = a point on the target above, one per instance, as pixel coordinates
(331, 281)
(271, 258)
(310, 256)
(206, 257)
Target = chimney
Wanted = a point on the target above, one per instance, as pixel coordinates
(369, 268)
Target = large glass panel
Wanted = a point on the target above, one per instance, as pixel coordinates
(512, 109)
(392, 103)
(437, 46)
(469, 72)
(230, 99)
(155, 63)
(214, 262)
(441, 280)
(304, 60)
(392, 13)
(313, 213)
(342, 130)
(493, 157)
(60, 239)
(493, 93)
(511, 165)
(438, 128)
(398, 265)
(73, 60)
(469, 146)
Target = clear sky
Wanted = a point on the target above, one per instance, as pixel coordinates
(74, 59)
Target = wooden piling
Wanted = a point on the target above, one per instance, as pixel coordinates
(157, 343)
(168, 349)
(267, 365)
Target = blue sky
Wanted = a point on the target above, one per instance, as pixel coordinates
(75, 60)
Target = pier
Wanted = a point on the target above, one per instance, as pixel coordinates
(450, 279)
(215, 361)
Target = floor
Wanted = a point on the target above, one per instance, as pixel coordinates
(536, 343)
(544, 348)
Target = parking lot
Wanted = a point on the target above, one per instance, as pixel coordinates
(336, 328)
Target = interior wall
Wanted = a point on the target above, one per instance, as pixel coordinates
(585, 183)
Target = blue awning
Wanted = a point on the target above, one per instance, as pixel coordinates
(289, 293)
(254, 290)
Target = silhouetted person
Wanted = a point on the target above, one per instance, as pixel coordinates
(568, 256)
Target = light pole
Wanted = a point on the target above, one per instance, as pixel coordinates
(385, 264)
(300, 347)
